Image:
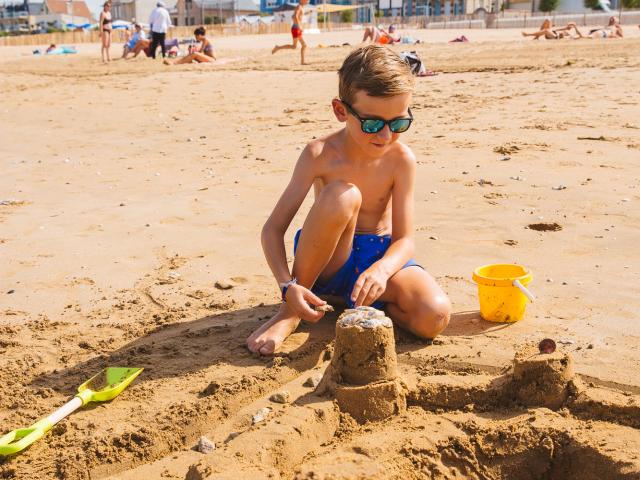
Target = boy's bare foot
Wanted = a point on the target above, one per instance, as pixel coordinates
(269, 337)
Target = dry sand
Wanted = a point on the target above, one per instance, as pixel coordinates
(128, 190)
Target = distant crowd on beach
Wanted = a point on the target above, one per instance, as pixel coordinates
(159, 24)
(201, 50)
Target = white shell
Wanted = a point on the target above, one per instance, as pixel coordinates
(364, 317)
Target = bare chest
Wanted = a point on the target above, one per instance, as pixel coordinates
(375, 186)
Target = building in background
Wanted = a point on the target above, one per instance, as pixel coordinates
(269, 6)
(30, 16)
(136, 10)
(205, 12)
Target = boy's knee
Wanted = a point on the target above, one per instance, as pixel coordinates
(432, 317)
(343, 195)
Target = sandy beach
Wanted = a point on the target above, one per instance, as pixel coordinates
(129, 190)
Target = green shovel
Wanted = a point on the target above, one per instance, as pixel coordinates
(106, 385)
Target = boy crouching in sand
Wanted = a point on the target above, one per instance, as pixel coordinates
(357, 240)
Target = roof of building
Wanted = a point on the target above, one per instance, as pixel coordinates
(80, 8)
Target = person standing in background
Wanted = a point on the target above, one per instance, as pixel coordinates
(104, 24)
(159, 22)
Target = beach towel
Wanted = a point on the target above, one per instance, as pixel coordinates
(58, 51)
(413, 60)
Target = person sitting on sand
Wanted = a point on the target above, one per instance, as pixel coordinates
(357, 239)
(381, 36)
(130, 45)
(611, 30)
(550, 33)
(143, 45)
(203, 54)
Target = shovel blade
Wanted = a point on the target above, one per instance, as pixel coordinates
(107, 384)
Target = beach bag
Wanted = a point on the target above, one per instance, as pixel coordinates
(415, 64)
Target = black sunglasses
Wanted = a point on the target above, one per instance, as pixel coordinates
(374, 125)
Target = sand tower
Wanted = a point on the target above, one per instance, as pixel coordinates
(542, 379)
(363, 374)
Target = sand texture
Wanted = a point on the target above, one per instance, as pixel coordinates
(131, 201)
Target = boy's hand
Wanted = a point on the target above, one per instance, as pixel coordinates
(370, 285)
(298, 299)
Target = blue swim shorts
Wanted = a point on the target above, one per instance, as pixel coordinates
(367, 249)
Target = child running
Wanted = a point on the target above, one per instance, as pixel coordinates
(204, 53)
(296, 33)
(357, 239)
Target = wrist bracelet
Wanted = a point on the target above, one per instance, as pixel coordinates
(285, 286)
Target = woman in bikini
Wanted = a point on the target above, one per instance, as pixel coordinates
(612, 30)
(105, 31)
(550, 33)
(204, 54)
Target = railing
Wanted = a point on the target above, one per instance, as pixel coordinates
(93, 36)
(515, 19)
(506, 20)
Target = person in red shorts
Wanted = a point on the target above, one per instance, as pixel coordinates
(296, 33)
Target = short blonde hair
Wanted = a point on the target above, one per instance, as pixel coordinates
(375, 69)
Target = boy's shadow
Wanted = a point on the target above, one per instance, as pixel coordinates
(178, 349)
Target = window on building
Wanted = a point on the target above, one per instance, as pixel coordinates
(193, 20)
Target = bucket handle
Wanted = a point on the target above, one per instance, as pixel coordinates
(525, 290)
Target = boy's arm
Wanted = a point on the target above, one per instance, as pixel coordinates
(276, 226)
(373, 282)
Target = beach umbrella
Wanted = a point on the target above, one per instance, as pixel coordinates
(121, 24)
(84, 26)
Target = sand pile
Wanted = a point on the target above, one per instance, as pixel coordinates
(542, 379)
(112, 241)
(363, 372)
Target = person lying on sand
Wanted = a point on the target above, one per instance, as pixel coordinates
(550, 33)
(381, 36)
(130, 45)
(202, 54)
(611, 30)
(357, 239)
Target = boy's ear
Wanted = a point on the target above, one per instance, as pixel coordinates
(339, 110)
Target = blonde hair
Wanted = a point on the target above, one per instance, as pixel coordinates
(375, 69)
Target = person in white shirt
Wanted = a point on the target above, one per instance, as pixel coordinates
(159, 22)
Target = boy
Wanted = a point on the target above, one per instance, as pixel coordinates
(296, 33)
(357, 240)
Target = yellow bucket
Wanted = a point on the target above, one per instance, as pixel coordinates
(502, 291)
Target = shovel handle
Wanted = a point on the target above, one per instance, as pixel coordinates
(19, 439)
(527, 293)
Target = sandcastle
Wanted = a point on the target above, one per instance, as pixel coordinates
(542, 379)
(363, 370)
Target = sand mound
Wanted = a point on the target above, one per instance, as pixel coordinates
(363, 370)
